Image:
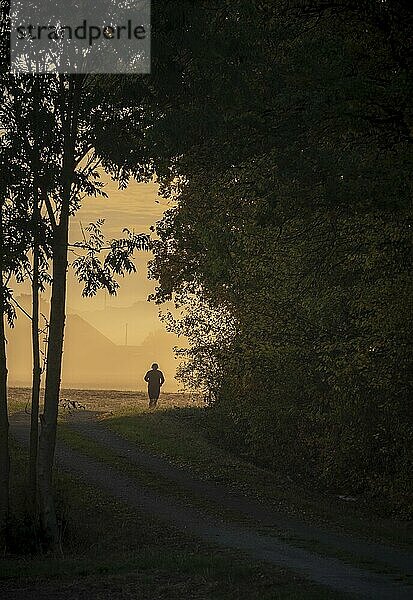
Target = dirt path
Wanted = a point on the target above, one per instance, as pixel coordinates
(327, 571)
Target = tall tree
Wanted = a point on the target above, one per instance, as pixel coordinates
(81, 109)
(301, 233)
(4, 422)
(14, 243)
(40, 252)
(74, 125)
(26, 130)
(61, 163)
(69, 98)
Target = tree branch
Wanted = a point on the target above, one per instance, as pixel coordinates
(21, 308)
(49, 208)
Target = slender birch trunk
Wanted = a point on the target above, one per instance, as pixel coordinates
(4, 421)
(37, 371)
(48, 419)
(36, 378)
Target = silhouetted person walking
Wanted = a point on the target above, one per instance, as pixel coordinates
(155, 380)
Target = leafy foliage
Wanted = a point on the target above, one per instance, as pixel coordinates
(98, 274)
(290, 169)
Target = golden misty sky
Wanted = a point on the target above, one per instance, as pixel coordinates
(110, 341)
(136, 208)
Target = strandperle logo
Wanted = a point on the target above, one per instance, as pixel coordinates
(91, 33)
(80, 36)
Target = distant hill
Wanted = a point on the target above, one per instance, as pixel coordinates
(91, 359)
(141, 319)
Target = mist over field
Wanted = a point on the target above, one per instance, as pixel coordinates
(92, 359)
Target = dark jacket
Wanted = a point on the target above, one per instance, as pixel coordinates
(155, 379)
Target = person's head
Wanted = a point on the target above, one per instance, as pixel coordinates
(154, 366)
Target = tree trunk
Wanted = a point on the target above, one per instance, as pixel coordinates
(36, 382)
(52, 391)
(48, 419)
(37, 372)
(4, 421)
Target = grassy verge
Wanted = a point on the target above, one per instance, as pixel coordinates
(19, 400)
(180, 493)
(181, 435)
(111, 552)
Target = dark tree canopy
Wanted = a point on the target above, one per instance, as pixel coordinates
(284, 135)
